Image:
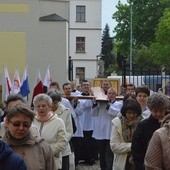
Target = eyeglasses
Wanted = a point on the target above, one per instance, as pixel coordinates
(18, 124)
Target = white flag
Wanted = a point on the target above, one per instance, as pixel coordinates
(6, 85)
(47, 79)
(16, 83)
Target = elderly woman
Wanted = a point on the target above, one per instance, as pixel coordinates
(157, 155)
(62, 112)
(158, 104)
(51, 128)
(122, 132)
(36, 153)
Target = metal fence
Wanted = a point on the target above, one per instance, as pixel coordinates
(155, 78)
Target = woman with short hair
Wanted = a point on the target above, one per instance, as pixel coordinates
(157, 155)
(158, 104)
(35, 152)
(62, 112)
(51, 128)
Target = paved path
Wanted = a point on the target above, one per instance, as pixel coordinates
(85, 167)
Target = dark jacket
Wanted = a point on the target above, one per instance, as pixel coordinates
(9, 159)
(141, 138)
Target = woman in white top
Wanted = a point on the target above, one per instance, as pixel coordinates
(51, 128)
(122, 132)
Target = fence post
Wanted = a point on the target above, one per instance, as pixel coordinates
(70, 69)
(124, 70)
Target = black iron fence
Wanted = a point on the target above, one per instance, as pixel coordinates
(155, 78)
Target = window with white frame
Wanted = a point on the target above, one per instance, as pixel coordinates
(80, 44)
(80, 13)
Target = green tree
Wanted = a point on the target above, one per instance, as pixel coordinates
(145, 18)
(142, 59)
(160, 49)
(107, 46)
(146, 15)
(122, 28)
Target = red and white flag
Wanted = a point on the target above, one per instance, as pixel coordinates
(38, 85)
(16, 83)
(47, 80)
(6, 85)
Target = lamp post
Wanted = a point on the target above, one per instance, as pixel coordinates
(131, 38)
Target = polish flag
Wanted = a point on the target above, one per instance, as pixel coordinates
(38, 86)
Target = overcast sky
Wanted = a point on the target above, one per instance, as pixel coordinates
(108, 8)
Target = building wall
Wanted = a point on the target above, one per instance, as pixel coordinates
(24, 40)
(91, 30)
(62, 8)
(27, 40)
(93, 44)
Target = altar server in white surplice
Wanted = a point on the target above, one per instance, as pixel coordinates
(104, 113)
(88, 149)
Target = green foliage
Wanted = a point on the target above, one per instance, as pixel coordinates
(142, 59)
(112, 68)
(122, 29)
(160, 49)
(146, 15)
(107, 47)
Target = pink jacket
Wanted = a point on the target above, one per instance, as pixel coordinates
(158, 153)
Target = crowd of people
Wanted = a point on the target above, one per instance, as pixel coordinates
(64, 130)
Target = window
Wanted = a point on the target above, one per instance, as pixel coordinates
(80, 73)
(80, 44)
(80, 13)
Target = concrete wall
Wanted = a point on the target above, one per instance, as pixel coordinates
(29, 41)
(62, 8)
